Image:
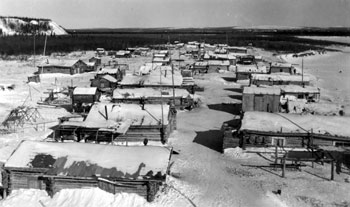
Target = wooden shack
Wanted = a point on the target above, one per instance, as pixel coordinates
(279, 79)
(179, 97)
(216, 65)
(62, 66)
(118, 72)
(84, 96)
(104, 83)
(309, 93)
(244, 72)
(53, 166)
(153, 122)
(262, 129)
(276, 67)
(261, 99)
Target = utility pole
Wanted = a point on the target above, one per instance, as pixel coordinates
(302, 72)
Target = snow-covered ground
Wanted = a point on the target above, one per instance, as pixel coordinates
(200, 174)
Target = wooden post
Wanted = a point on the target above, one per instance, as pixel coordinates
(283, 166)
(312, 148)
(276, 153)
(332, 170)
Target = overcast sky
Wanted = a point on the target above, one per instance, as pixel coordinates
(74, 14)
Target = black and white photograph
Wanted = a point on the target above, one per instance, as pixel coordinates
(174, 103)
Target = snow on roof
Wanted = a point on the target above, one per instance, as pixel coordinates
(110, 78)
(91, 64)
(154, 78)
(106, 125)
(235, 48)
(87, 160)
(58, 62)
(152, 115)
(85, 91)
(299, 89)
(108, 71)
(281, 65)
(137, 93)
(280, 77)
(160, 59)
(162, 55)
(148, 67)
(219, 62)
(201, 63)
(289, 123)
(258, 90)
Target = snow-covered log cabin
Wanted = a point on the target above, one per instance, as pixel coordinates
(54, 166)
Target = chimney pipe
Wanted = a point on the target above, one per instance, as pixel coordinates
(106, 112)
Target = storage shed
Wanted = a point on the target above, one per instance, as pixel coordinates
(261, 99)
(53, 166)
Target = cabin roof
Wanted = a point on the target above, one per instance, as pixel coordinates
(258, 90)
(77, 159)
(280, 77)
(108, 71)
(85, 91)
(298, 89)
(137, 93)
(219, 62)
(281, 65)
(153, 78)
(295, 123)
(58, 62)
(253, 68)
(110, 78)
(119, 112)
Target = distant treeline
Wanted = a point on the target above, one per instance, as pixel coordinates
(23, 44)
(304, 31)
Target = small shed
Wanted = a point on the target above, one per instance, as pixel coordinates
(276, 67)
(279, 79)
(53, 166)
(86, 96)
(104, 82)
(261, 99)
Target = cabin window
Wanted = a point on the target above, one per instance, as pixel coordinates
(280, 142)
(281, 70)
(300, 96)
